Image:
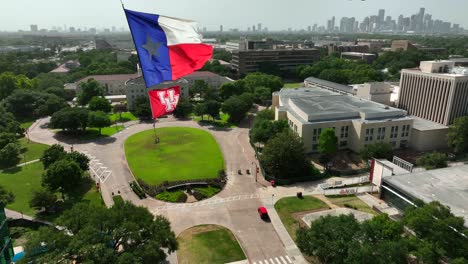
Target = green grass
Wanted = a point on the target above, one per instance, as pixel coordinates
(93, 133)
(33, 150)
(126, 116)
(182, 154)
(22, 181)
(353, 201)
(293, 85)
(223, 120)
(26, 125)
(208, 244)
(170, 196)
(287, 206)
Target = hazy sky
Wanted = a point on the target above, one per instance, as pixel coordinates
(275, 14)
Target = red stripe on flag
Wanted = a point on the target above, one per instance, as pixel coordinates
(164, 101)
(187, 58)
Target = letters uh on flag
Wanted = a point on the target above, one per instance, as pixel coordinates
(164, 101)
(168, 48)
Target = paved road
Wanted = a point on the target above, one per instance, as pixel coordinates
(234, 207)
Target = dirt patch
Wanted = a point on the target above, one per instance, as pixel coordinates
(343, 160)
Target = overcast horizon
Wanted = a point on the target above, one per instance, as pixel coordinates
(240, 14)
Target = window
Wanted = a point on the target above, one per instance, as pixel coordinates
(314, 138)
(367, 139)
(343, 143)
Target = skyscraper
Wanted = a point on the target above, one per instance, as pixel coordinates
(259, 26)
(220, 28)
(380, 18)
(33, 28)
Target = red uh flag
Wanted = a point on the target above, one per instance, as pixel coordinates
(164, 101)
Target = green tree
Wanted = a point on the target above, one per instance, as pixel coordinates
(200, 109)
(432, 161)
(378, 150)
(80, 158)
(120, 108)
(58, 91)
(10, 155)
(263, 130)
(236, 108)
(232, 88)
(89, 89)
(283, 157)
(262, 94)
(254, 80)
(267, 114)
(222, 55)
(142, 108)
(52, 103)
(212, 108)
(328, 142)
(98, 119)
(70, 119)
(10, 82)
(42, 199)
(52, 154)
(8, 123)
(198, 87)
(123, 233)
(183, 109)
(63, 175)
(435, 224)
(7, 138)
(6, 197)
(458, 135)
(98, 103)
(329, 238)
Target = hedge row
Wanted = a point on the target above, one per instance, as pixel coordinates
(153, 190)
(137, 190)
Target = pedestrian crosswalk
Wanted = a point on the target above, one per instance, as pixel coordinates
(275, 260)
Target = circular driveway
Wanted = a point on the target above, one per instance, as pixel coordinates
(235, 207)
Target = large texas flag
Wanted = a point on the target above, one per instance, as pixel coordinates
(168, 48)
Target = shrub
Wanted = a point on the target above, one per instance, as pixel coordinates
(172, 196)
(137, 190)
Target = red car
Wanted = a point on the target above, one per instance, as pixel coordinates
(262, 211)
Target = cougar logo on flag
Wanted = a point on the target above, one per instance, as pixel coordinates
(164, 101)
(169, 99)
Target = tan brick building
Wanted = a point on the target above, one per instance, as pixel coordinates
(357, 122)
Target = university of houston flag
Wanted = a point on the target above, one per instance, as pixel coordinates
(164, 101)
(168, 48)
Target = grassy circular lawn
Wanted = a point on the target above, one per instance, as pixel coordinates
(208, 244)
(182, 154)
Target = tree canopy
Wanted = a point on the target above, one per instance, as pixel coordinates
(63, 175)
(283, 157)
(89, 89)
(432, 160)
(98, 119)
(70, 119)
(122, 234)
(328, 142)
(458, 135)
(378, 150)
(99, 103)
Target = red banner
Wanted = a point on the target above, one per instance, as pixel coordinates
(164, 101)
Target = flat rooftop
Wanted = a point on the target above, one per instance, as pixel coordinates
(449, 186)
(350, 53)
(315, 104)
(330, 85)
(426, 125)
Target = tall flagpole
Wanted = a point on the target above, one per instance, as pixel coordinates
(156, 139)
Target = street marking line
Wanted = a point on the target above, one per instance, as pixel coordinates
(283, 260)
(277, 261)
(271, 261)
(289, 260)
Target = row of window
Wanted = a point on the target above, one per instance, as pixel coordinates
(343, 132)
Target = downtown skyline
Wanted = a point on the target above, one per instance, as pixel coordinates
(301, 15)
